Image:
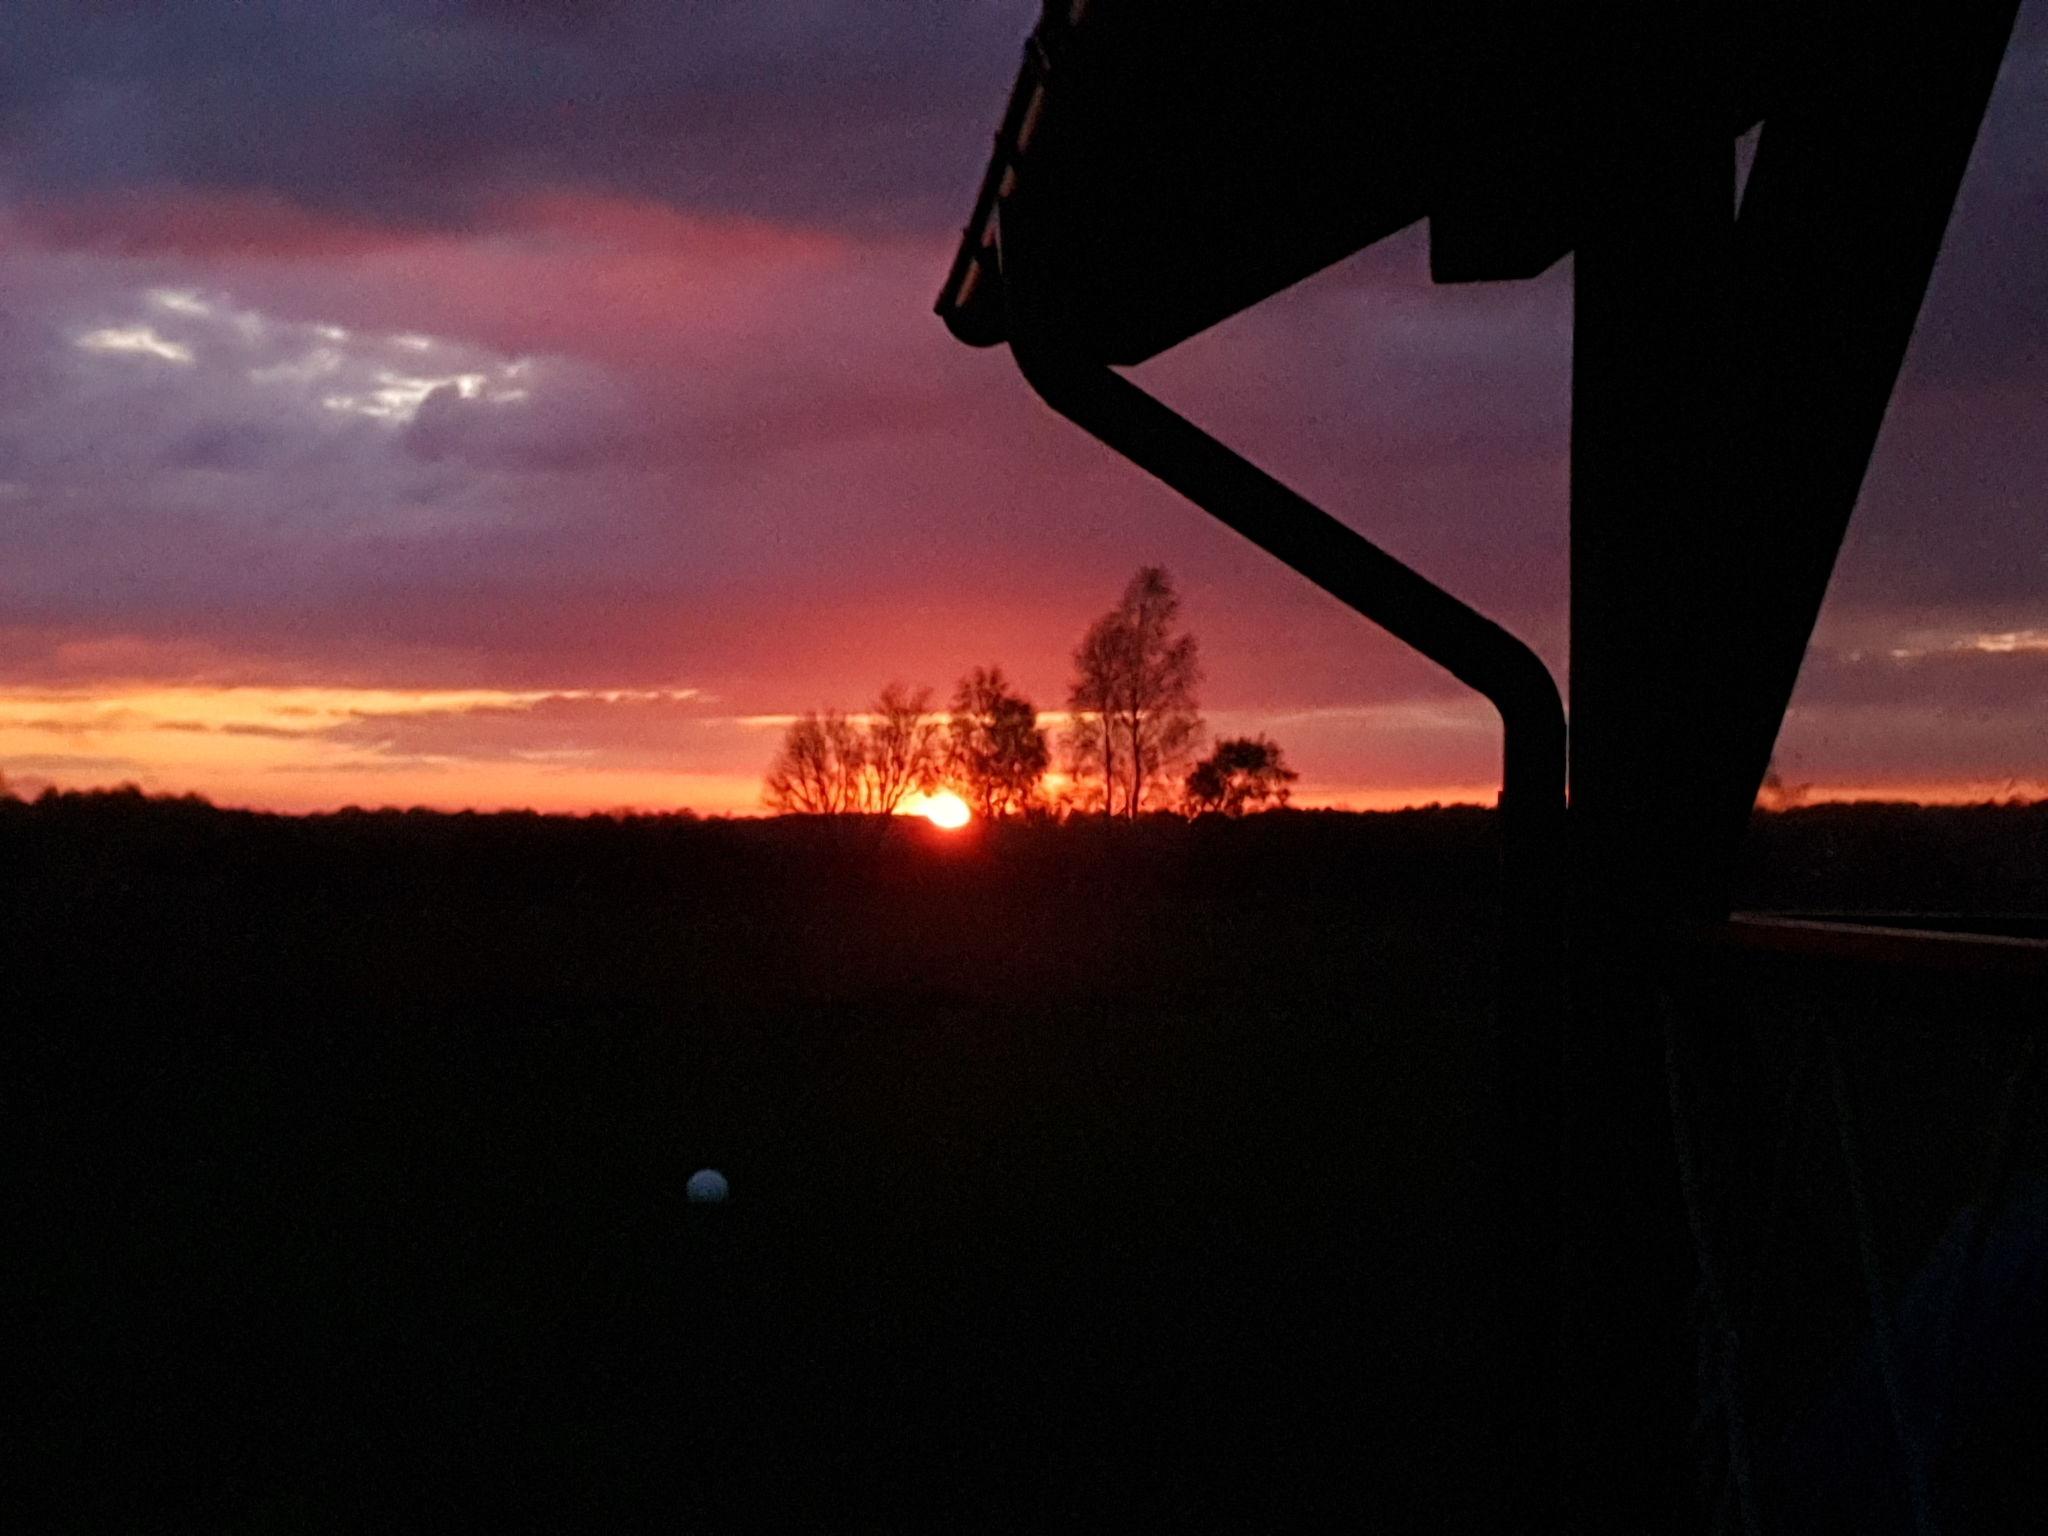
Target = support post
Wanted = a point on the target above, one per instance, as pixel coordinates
(1841, 224)
(1650, 381)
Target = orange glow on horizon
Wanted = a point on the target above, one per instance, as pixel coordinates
(566, 751)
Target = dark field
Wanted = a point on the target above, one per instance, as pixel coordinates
(1075, 1170)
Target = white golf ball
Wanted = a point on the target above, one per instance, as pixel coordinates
(707, 1186)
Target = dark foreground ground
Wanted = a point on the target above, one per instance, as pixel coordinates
(1074, 1171)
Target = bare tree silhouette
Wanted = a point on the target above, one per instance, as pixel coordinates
(1133, 715)
(1088, 744)
(819, 768)
(904, 748)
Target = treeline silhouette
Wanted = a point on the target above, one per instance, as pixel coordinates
(1864, 857)
(1131, 726)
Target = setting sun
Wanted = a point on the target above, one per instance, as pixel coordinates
(945, 809)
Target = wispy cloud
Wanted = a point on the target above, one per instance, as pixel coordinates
(134, 340)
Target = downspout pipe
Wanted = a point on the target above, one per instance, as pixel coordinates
(1529, 1022)
(1345, 564)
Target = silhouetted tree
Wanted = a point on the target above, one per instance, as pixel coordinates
(820, 767)
(998, 753)
(1244, 773)
(903, 750)
(1776, 794)
(1132, 703)
(1089, 742)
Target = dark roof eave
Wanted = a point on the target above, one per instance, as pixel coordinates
(970, 302)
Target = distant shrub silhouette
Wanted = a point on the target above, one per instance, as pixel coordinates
(1244, 773)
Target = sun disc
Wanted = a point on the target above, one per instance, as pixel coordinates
(946, 809)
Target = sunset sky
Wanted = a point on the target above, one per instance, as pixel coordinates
(530, 404)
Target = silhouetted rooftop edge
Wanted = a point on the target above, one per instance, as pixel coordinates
(1189, 160)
